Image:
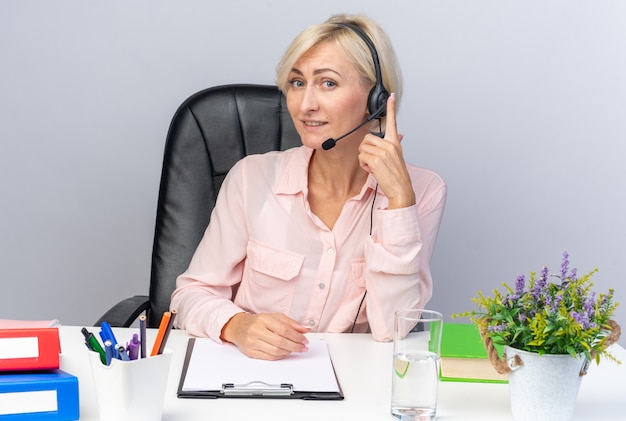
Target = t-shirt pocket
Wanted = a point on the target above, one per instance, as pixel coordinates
(269, 278)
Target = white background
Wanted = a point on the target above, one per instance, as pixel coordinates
(519, 105)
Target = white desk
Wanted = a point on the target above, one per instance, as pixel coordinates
(363, 369)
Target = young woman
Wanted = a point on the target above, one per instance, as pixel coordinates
(332, 236)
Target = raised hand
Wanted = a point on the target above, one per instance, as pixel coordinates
(384, 159)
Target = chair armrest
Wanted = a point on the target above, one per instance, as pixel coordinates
(125, 312)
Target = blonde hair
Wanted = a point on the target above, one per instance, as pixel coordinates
(356, 49)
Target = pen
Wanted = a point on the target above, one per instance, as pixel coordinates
(93, 344)
(165, 320)
(133, 347)
(168, 329)
(121, 351)
(106, 333)
(108, 351)
(142, 335)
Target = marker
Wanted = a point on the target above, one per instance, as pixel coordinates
(121, 351)
(93, 344)
(133, 347)
(108, 351)
(106, 333)
(142, 335)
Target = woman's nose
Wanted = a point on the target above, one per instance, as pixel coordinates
(309, 99)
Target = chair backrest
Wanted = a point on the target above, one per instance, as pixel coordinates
(209, 133)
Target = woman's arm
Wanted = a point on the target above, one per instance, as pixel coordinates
(399, 252)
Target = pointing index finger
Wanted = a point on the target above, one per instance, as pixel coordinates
(391, 129)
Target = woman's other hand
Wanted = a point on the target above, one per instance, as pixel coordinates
(266, 336)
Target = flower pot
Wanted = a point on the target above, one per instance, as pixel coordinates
(544, 387)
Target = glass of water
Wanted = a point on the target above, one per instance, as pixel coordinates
(416, 360)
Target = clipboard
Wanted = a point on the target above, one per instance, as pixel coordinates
(213, 370)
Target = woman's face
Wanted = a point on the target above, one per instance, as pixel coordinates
(326, 98)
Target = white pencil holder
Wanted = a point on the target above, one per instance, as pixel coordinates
(131, 390)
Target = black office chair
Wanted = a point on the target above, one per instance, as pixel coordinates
(209, 133)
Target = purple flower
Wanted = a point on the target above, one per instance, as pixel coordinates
(548, 301)
(497, 329)
(510, 299)
(589, 306)
(540, 285)
(520, 283)
(584, 318)
(556, 303)
(572, 274)
(564, 266)
(580, 318)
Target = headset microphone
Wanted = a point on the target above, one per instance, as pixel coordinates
(330, 143)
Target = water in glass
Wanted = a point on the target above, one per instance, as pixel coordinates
(414, 386)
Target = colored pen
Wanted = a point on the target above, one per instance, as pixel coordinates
(106, 333)
(142, 335)
(121, 351)
(93, 344)
(108, 351)
(133, 347)
(168, 329)
(165, 320)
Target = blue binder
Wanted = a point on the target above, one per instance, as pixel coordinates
(39, 395)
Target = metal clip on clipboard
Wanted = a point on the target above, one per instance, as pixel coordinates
(257, 388)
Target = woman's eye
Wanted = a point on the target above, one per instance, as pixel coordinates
(296, 83)
(329, 84)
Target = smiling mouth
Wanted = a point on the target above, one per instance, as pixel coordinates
(313, 123)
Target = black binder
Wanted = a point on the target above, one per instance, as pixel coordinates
(254, 388)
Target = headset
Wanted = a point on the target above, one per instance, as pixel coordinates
(377, 98)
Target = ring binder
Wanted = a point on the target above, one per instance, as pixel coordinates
(257, 388)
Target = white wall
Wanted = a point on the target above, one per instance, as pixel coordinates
(519, 105)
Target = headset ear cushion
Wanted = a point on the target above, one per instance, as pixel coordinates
(377, 99)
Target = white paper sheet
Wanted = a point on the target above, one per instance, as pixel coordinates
(211, 365)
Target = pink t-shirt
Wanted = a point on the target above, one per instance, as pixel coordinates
(266, 252)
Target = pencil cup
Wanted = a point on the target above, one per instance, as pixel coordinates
(131, 390)
(415, 371)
